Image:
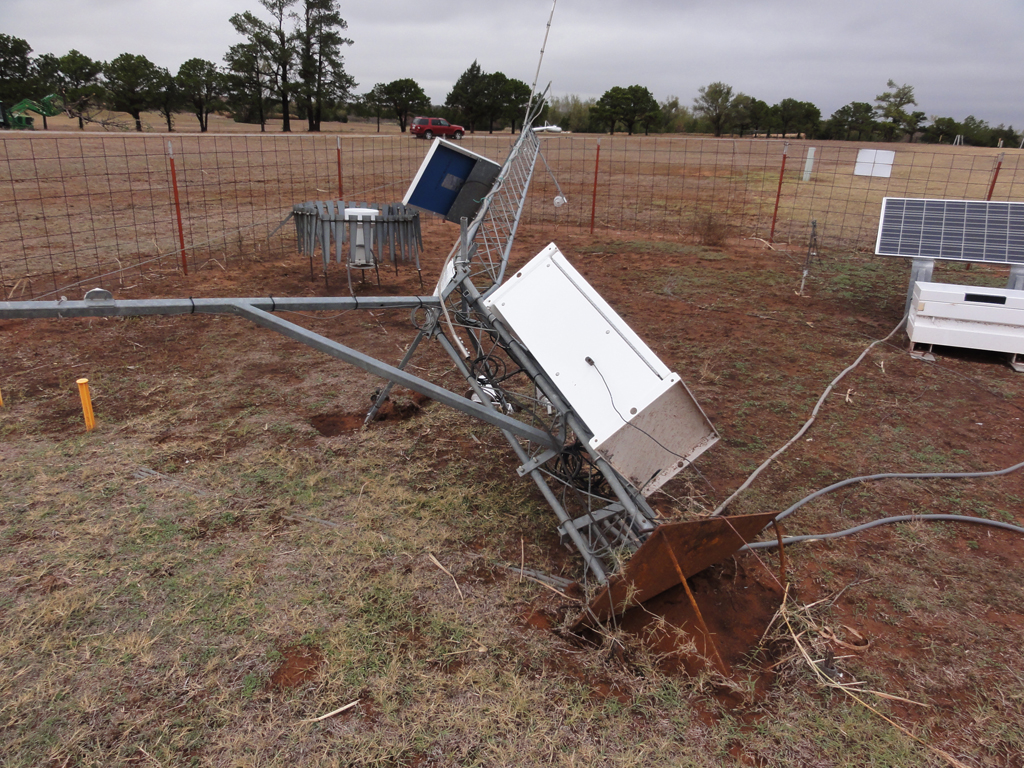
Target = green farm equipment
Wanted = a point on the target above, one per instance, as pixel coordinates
(16, 118)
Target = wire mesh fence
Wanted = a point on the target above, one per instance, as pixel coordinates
(77, 209)
(707, 188)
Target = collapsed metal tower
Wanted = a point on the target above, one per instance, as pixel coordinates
(593, 460)
(600, 512)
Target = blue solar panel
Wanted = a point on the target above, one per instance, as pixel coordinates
(959, 230)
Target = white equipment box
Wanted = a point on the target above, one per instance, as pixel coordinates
(967, 316)
(645, 422)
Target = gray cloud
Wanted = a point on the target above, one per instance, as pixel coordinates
(961, 58)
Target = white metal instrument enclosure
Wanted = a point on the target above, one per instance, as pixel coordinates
(967, 316)
(645, 421)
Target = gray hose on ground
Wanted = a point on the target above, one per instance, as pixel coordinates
(889, 520)
(891, 475)
(885, 521)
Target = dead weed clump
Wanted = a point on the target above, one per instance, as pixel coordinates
(710, 228)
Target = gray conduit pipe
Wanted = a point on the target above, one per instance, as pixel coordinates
(885, 521)
(889, 520)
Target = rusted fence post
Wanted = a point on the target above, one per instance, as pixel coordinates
(177, 208)
(995, 175)
(778, 194)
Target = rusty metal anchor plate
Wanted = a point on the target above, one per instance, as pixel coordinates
(652, 569)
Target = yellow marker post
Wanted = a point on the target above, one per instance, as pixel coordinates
(83, 392)
(1, 400)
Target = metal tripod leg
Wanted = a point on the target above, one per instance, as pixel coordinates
(920, 272)
(635, 505)
(591, 560)
(386, 390)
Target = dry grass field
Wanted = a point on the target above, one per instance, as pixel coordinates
(225, 563)
(184, 122)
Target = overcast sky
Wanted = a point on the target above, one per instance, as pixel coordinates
(963, 58)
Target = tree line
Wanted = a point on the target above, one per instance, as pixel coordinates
(720, 111)
(292, 65)
(477, 101)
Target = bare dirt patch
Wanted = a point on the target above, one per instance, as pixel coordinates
(300, 664)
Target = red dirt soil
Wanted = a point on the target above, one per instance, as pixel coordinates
(174, 361)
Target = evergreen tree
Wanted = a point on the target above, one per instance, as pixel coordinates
(403, 98)
(15, 68)
(790, 115)
(323, 81)
(467, 98)
(167, 98)
(515, 96)
(273, 40)
(374, 103)
(628, 106)
(201, 86)
(133, 84)
(45, 79)
(857, 117)
(492, 104)
(79, 87)
(249, 83)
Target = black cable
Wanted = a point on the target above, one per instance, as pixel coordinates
(590, 361)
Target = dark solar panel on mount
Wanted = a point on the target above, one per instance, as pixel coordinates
(961, 230)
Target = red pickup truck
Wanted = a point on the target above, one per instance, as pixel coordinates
(429, 127)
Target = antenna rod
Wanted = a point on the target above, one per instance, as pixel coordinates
(536, 77)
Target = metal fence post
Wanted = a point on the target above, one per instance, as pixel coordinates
(341, 195)
(593, 204)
